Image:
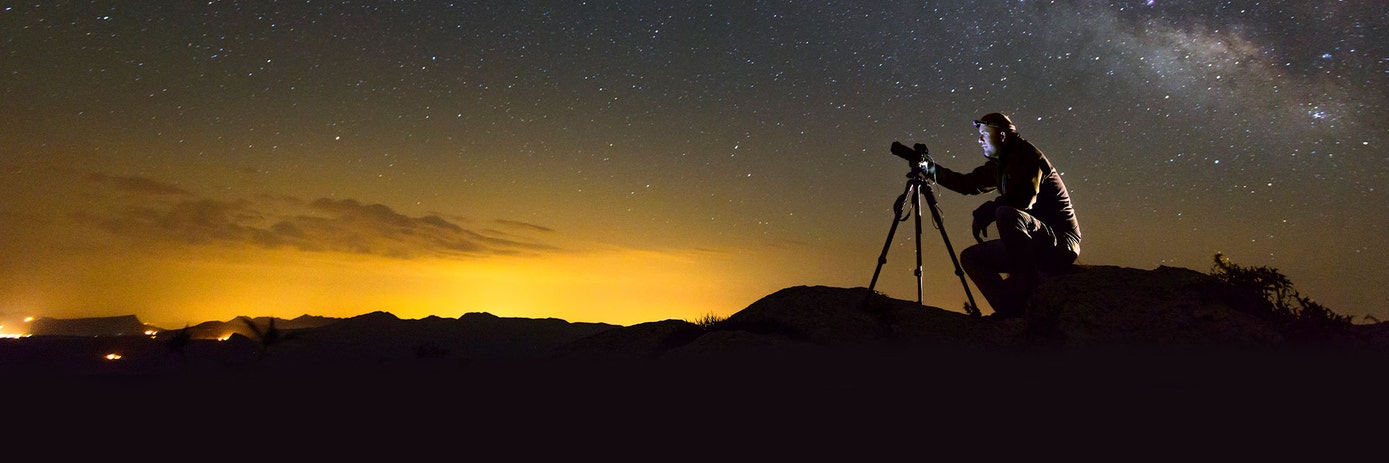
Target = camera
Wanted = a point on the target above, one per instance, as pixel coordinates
(915, 155)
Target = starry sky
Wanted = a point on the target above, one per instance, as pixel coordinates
(625, 162)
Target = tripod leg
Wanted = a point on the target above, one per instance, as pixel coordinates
(882, 258)
(920, 280)
(971, 308)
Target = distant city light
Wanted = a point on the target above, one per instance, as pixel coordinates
(23, 333)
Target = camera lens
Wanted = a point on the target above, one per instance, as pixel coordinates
(914, 156)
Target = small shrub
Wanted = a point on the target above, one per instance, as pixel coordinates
(268, 337)
(1266, 291)
(177, 341)
(708, 320)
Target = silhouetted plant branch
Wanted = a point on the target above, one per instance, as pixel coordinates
(1266, 291)
(708, 321)
(270, 336)
(177, 341)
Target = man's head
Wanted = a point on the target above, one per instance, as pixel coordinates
(994, 130)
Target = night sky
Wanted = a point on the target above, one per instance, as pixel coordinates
(626, 162)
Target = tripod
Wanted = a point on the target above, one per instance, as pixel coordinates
(918, 185)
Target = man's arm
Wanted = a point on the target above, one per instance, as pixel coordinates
(982, 179)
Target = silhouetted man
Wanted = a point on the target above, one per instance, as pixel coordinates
(1037, 227)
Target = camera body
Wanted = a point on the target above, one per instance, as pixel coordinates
(916, 155)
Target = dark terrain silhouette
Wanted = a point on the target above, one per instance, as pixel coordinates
(1108, 350)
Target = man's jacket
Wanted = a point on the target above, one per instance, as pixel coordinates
(1025, 179)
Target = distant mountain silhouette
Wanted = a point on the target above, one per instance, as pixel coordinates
(124, 325)
(222, 329)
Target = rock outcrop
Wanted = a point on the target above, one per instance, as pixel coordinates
(1092, 309)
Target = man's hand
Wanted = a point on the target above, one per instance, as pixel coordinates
(983, 216)
(981, 231)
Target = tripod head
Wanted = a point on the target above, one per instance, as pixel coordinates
(918, 156)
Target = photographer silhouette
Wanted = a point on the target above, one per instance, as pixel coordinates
(1037, 227)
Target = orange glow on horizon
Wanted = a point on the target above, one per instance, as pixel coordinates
(611, 285)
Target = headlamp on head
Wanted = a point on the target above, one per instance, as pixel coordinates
(996, 120)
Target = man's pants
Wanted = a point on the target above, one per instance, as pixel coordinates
(1025, 246)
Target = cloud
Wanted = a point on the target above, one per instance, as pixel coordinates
(322, 225)
(524, 225)
(138, 185)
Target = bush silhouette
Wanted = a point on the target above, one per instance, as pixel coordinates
(267, 337)
(708, 321)
(1266, 292)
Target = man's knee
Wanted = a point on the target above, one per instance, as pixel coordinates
(982, 258)
(971, 257)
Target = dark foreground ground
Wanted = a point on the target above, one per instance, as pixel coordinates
(1110, 364)
(860, 405)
